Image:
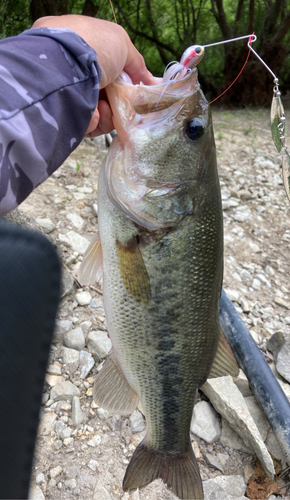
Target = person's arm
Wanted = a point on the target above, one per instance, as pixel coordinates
(49, 88)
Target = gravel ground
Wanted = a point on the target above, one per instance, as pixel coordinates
(87, 460)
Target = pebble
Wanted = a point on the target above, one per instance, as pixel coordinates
(137, 422)
(254, 247)
(270, 271)
(95, 209)
(93, 465)
(77, 414)
(103, 414)
(86, 326)
(86, 363)
(70, 484)
(39, 479)
(213, 462)
(69, 355)
(99, 343)
(68, 441)
(282, 303)
(205, 422)
(224, 487)
(67, 283)
(53, 380)
(61, 327)
(64, 391)
(55, 472)
(100, 493)
(95, 441)
(283, 360)
(46, 224)
(35, 493)
(83, 298)
(233, 295)
(46, 423)
(74, 339)
(256, 284)
(78, 243)
(76, 220)
(54, 369)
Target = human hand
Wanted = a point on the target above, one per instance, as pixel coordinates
(116, 53)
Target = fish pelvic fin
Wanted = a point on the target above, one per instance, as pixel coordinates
(91, 268)
(224, 362)
(111, 390)
(179, 472)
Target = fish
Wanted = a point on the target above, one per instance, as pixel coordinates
(160, 251)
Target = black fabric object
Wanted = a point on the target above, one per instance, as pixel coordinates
(262, 381)
(29, 294)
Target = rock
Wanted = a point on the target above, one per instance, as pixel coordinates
(256, 284)
(264, 280)
(76, 220)
(64, 391)
(74, 339)
(78, 242)
(93, 465)
(101, 493)
(258, 416)
(282, 303)
(248, 472)
(86, 363)
(86, 326)
(254, 247)
(61, 327)
(53, 380)
(230, 438)
(103, 414)
(243, 386)
(77, 414)
(283, 361)
(46, 424)
(67, 284)
(35, 493)
(95, 209)
(98, 342)
(275, 449)
(233, 295)
(54, 369)
(70, 484)
(46, 224)
(83, 298)
(245, 305)
(39, 479)
(65, 432)
(224, 487)
(55, 472)
(270, 271)
(229, 402)
(205, 422)
(213, 462)
(69, 355)
(95, 441)
(276, 342)
(137, 422)
(59, 427)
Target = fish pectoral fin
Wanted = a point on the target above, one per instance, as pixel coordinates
(91, 268)
(179, 472)
(224, 362)
(112, 391)
(133, 270)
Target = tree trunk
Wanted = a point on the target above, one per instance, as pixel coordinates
(41, 8)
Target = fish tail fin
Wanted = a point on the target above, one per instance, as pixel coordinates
(179, 472)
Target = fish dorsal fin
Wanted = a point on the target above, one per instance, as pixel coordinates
(112, 391)
(91, 268)
(133, 271)
(224, 362)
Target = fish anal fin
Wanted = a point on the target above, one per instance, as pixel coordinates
(91, 268)
(111, 390)
(133, 271)
(224, 362)
(179, 472)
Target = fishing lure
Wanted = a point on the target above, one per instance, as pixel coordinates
(193, 55)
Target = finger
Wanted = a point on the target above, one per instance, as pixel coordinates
(93, 123)
(135, 67)
(105, 123)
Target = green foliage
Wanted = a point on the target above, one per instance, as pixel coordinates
(14, 17)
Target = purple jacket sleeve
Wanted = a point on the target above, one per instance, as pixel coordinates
(49, 88)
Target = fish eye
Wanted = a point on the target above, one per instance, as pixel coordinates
(194, 129)
(198, 50)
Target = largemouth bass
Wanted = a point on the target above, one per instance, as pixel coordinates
(160, 248)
